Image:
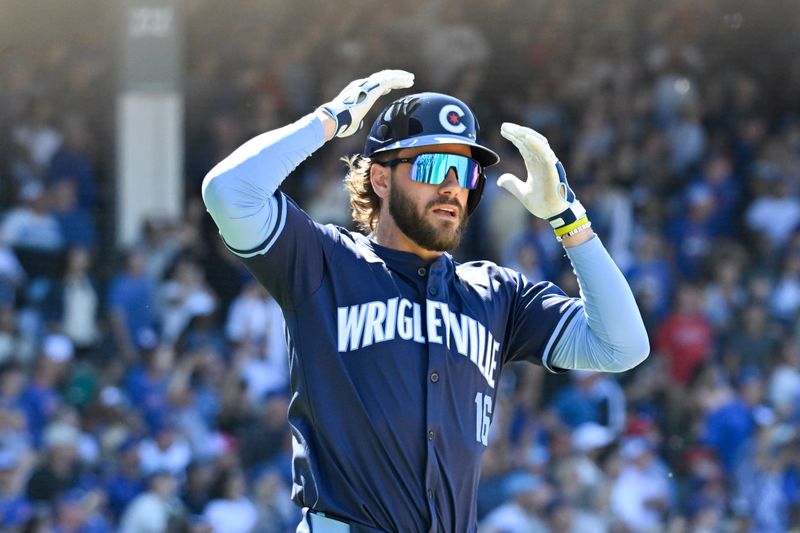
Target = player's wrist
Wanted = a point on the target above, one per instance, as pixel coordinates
(341, 116)
(577, 236)
(329, 122)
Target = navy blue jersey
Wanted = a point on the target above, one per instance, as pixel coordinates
(394, 365)
(394, 362)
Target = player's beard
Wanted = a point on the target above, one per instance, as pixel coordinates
(418, 229)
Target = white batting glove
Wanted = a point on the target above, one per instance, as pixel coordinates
(545, 192)
(349, 108)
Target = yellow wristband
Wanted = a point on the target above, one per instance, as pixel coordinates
(563, 230)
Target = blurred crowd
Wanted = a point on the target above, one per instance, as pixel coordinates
(145, 388)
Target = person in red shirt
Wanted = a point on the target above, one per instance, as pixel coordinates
(685, 338)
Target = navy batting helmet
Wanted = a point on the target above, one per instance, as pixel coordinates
(427, 119)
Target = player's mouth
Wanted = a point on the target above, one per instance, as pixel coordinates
(450, 212)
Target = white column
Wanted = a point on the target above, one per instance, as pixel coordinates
(149, 133)
(149, 159)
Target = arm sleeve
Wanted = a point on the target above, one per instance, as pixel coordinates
(239, 192)
(607, 332)
(277, 241)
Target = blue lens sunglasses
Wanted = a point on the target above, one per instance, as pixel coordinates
(432, 168)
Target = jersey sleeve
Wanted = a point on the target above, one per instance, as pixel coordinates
(602, 330)
(295, 264)
(276, 240)
(539, 316)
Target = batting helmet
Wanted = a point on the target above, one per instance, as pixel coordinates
(427, 119)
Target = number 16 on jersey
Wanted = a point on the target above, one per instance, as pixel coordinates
(483, 411)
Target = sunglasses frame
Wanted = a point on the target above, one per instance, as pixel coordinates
(411, 160)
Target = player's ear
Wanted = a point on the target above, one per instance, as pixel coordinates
(381, 178)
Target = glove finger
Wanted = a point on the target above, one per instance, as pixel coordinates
(521, 131)
(514, 185)
(526, 135)
(532, 145)
(395, 79)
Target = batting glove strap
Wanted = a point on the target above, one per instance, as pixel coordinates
(569, 219)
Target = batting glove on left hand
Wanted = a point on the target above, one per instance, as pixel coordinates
(349, 108)
(545, 192)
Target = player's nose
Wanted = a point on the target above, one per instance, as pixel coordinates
(450, 184)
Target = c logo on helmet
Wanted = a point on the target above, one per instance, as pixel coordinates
(450, 118)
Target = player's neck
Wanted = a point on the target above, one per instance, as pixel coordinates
(389, 235)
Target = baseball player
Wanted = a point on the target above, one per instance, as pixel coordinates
(395, 348)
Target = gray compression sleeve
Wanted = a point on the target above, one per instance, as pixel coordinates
(608, 334)
(239, 192)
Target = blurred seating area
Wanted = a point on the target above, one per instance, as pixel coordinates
(146, 386)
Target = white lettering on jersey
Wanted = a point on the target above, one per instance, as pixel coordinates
(418, 337)
(376, 315)
(433, 321)
(351, 324)
(369, 323)
(391, 319)
(404, 323)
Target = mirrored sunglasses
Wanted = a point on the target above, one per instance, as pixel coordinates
(432, 168)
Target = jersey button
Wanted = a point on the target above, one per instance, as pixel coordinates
(434, 377)
(432, 291)
(421, 271)
(430, 435)
(430, 494)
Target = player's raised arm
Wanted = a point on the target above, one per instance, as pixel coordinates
(239, 190)
(609, 334)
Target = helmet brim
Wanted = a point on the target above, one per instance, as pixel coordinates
(481, 154)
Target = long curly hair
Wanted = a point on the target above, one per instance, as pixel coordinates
(364, 202)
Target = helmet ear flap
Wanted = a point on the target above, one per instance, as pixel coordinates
(475, 194)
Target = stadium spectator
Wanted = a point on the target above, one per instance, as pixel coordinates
(12, 275)
(132, 305)
(14, 345)
(31, 224)
(74, 302)
(724, 294)
(78, 511)
(651, 278)
(685, 337)
(75, 222)
(752, 341)
(591, 398)
(272, 499)
(255, 328)
(73, 162)
(197, 485)
(40, 398)
(166, 449)
(156, 510)
(147, 383)
(183, 295)
(36, 134)
(783, 389)
(731, 420)
(121, 477)
(15, 508)
(641, 494)
(60, 470)
(230, 510)
(774, 213)
(525, 508)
